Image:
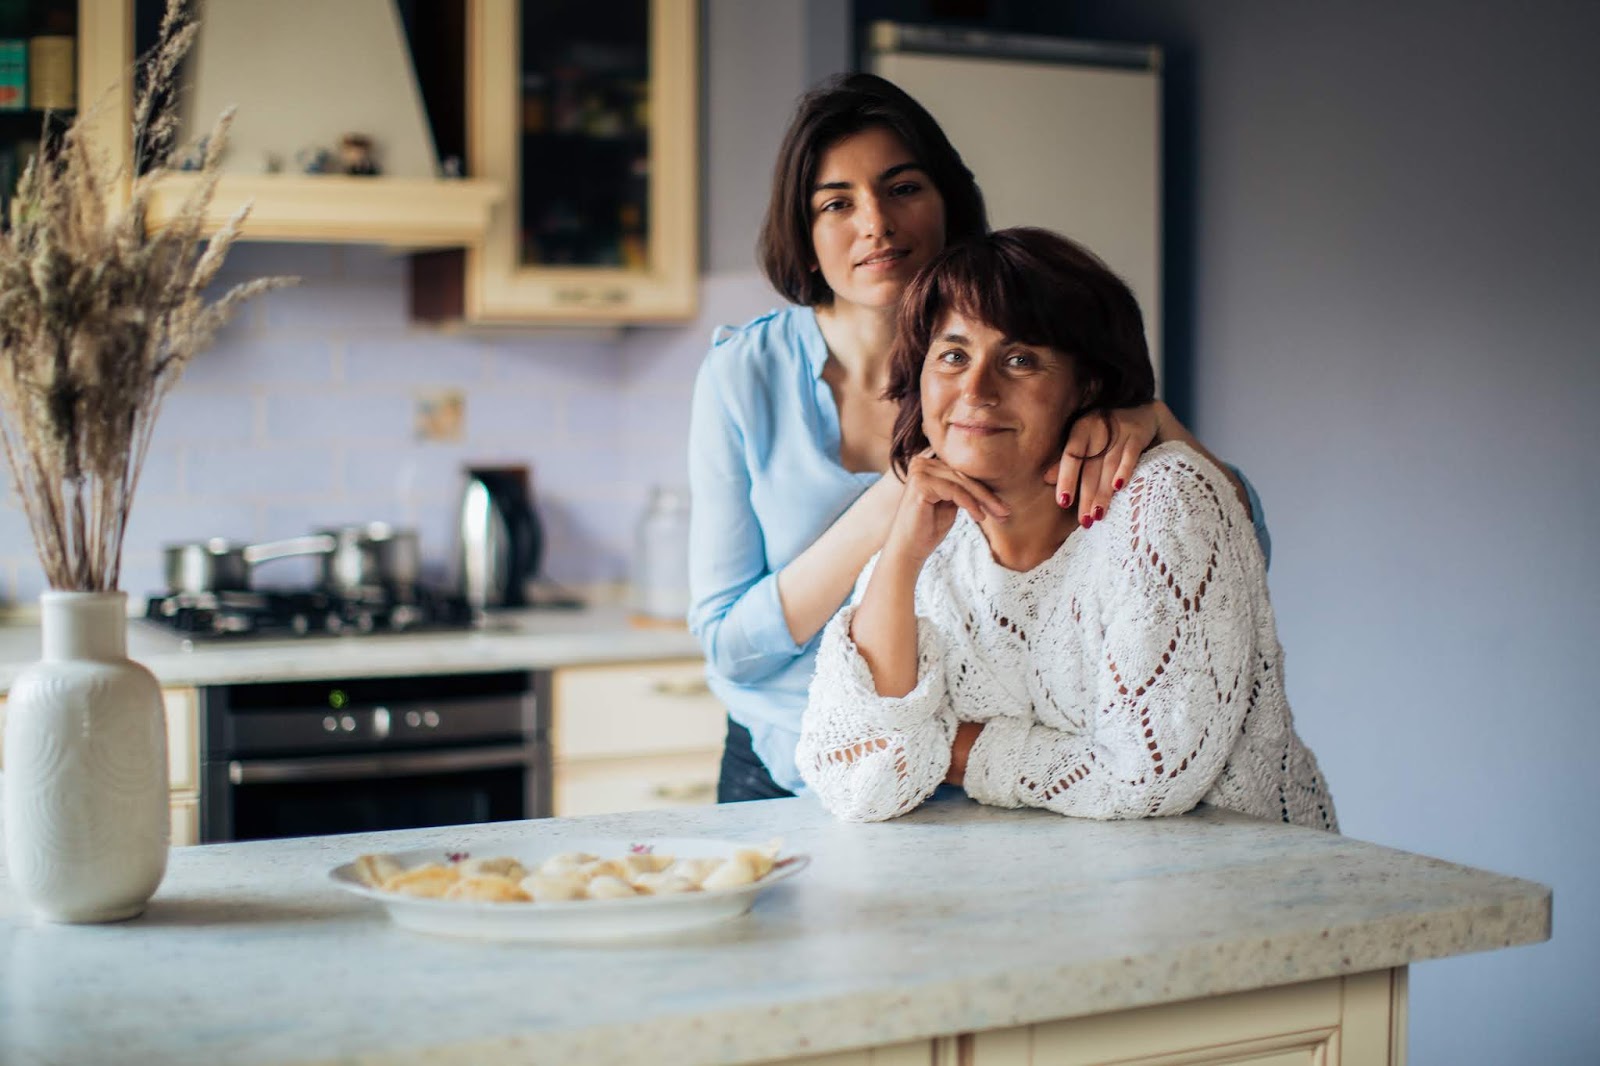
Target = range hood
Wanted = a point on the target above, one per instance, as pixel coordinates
(303, 73)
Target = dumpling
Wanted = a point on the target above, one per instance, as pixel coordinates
(760, 859)
(606, 868)
(429, 882)
(504, 866)
(556, 887)
(735, 871)
(645, 863)
(608, 887)
(567, 860)
(374, 870)
(488, 888)
(663, 884)
(694, 871)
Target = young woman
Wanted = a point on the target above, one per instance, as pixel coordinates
(790, 431)
(1123, 670)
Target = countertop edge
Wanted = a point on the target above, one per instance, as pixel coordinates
(855, 1020)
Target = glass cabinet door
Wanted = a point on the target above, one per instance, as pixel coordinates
(588, 111)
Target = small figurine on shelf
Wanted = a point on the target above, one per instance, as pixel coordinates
(313, 159)
(271, 163)
(451, 167)
(355, 151)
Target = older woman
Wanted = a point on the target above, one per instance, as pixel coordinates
(1124, 670)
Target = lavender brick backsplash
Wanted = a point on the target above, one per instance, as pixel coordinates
(300, 416)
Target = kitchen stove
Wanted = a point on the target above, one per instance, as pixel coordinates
(233, 615)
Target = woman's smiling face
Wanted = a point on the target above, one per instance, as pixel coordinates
(876, 218)
(994, 408)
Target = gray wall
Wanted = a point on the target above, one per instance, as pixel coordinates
(1391, 243)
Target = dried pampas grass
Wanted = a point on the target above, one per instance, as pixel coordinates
(98, 319)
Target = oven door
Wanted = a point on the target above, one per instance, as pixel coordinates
(270, 798)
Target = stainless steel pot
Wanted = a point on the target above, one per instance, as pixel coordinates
(375, 555)
(219, 565)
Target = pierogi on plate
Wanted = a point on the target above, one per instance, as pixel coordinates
(568, 876)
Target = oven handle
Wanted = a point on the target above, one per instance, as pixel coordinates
(349, 767)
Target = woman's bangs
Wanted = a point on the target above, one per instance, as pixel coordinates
(978, 284)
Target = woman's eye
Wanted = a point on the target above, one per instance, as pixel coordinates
(952, 357)
(831, 205)
(1022, 360)
(905, 188)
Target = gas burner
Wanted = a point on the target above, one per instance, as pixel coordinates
(300, 613)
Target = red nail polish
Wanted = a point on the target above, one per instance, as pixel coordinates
(1065, 499)
(1117, 484)
(1099, 513)
(1087, 521)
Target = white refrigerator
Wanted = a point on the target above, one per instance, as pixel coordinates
(1062, 134)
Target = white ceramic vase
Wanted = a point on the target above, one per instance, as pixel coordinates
(86, 814)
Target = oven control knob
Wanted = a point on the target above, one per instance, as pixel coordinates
(348, 724)
(331, 724)
(430, 719)
(413, 719)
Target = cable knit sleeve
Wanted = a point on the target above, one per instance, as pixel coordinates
(1178, 623)
(870, 757)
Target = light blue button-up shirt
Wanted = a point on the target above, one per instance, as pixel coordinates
(766, 481)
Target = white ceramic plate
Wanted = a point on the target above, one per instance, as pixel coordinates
(576, 920)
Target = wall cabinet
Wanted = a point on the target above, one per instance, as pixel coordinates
(635, 737)
(405, 213)
(588, 115)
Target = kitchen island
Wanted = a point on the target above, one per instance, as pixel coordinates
(1052, 939)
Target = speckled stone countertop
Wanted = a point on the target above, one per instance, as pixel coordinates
(953, 919)
(520, 640)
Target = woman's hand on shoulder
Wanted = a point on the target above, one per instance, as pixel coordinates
(1100, 455)
(933, 494)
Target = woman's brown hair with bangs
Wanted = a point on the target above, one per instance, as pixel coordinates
(840, 107)
(1040, 289)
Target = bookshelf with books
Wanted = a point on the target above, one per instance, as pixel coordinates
(38, 82)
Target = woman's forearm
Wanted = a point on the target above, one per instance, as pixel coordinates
(818, 581)
(885, 625)
(1168, 428)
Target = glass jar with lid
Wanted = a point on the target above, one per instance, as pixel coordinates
(661, 557)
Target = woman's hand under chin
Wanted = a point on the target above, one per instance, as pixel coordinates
(933, 493)
(1100, 455)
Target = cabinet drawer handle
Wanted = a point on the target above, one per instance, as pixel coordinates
(689, 686)
(583, 296)
(690, 793)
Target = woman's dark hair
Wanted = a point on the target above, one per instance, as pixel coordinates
(1038, 288)
(840, 107)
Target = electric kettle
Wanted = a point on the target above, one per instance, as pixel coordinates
(499, 541)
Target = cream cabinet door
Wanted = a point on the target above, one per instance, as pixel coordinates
(600, 158)
(185, 820)
(604, 712)
(1349, 1021)
(659, 783)
(634, 737)
(183, 738)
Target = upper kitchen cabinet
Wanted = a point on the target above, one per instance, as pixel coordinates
(588, 113)
(305, 74)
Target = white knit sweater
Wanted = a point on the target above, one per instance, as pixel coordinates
(1134, 673)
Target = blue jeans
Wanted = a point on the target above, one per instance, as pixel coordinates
(744, 777)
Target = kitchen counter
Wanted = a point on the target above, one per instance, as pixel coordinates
(955, 919)
(519, 640)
